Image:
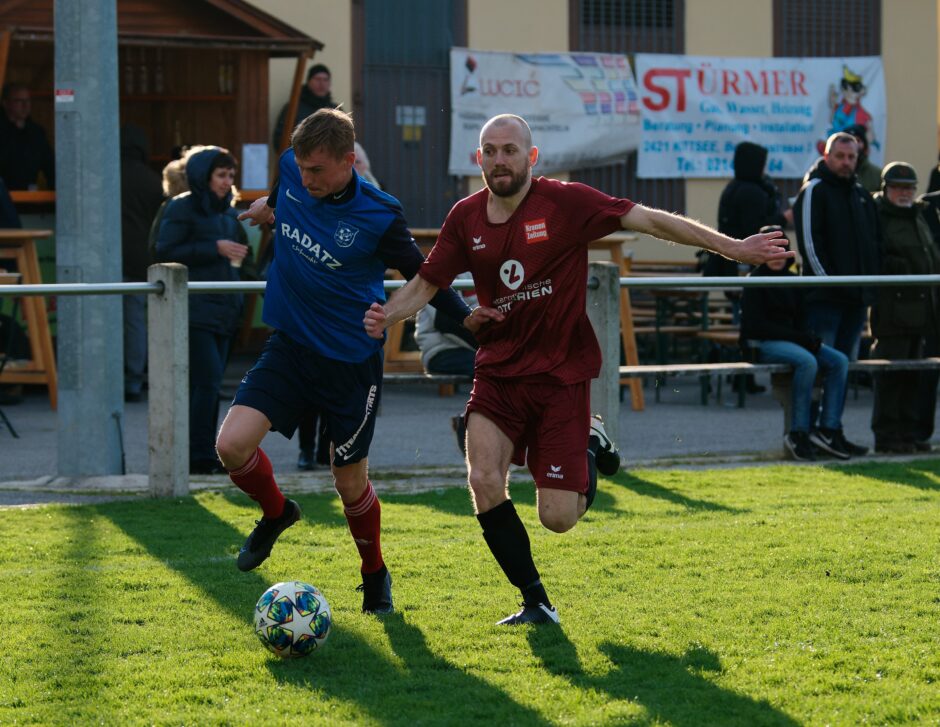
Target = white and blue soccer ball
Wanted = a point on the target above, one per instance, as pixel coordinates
(292, 619)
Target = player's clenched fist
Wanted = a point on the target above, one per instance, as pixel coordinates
(375, 320)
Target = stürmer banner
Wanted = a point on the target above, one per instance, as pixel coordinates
(696, 109)
(582, 107)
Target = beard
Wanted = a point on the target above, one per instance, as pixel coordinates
(506, 188)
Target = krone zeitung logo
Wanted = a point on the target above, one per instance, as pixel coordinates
(512, 274)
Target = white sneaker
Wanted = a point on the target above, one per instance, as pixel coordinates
(607, 457)
(536, 614)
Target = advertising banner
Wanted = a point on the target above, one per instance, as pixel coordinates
(582, 107)
(696, 109)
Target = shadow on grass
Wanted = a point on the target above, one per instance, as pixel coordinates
(422, 689)
(658, 492)
(190, 539)
(921, 474)
(672, 689)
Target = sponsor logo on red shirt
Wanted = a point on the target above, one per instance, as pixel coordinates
(536, 231)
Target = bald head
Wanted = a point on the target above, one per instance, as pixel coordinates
(508, 122)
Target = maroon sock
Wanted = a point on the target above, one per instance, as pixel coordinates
(365, 522)
(256, 479)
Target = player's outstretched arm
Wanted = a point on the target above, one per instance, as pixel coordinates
(258, 213)
(754, 250)
(403, 303)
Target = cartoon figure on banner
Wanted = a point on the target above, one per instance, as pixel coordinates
(468, 85)
(847, 109)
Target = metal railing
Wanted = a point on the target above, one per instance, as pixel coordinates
(168, 340)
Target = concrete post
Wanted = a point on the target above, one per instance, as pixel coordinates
(88, 238)
(168, 376)
(603, 307)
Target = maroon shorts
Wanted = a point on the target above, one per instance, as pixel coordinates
(548, 425)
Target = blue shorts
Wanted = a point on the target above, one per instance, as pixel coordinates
(289, 380)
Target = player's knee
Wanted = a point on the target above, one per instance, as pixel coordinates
(558, 521)
(232, 453)
(484, 482)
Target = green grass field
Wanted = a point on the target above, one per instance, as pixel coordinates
(784, 595)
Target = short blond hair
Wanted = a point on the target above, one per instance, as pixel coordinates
(331, 130)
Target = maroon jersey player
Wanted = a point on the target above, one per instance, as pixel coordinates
(525, 241)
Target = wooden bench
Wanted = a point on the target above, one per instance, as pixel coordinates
(781, 375)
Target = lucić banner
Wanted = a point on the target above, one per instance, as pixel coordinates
(582, 107)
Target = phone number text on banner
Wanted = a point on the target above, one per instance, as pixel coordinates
(696, 109)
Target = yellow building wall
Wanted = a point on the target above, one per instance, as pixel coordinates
(911, 83)
(330, 22)
(519, 26)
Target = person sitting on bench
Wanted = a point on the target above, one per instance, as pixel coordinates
(773, 321)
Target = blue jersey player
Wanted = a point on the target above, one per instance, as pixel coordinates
(335, 235)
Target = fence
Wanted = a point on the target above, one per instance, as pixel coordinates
(168, 342)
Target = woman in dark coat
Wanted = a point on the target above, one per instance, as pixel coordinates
(200, 229)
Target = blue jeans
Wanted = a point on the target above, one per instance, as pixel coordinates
(839, 326)
(835, 368)
(208, 353)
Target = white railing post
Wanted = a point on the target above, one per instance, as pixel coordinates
(168, 377)
(603, 307)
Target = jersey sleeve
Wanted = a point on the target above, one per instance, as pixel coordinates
(596, 213)
(398, 250)
(272, 195)
(448, 257)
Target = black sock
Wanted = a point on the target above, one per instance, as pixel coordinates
(508, 540)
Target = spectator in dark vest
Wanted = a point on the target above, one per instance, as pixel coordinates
(26, 159)
(904, 317)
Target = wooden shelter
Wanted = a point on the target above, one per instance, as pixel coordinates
(189, 71)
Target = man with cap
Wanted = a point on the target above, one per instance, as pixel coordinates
(315, 95)
(904, 317)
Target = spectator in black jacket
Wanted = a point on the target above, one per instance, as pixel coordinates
(141, 197)
(315, 95)
(25, 153)
(774, 322)
(749, 202)
(838, 232)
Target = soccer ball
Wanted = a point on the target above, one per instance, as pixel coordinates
(292, 619)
